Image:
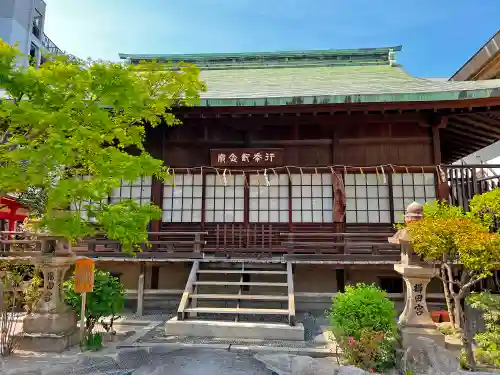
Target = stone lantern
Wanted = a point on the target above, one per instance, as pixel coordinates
(415, 320)
(52, 326)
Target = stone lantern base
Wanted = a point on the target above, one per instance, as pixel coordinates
(410, 334)
(49, 332)
(415, 320)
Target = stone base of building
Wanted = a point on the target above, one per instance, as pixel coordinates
(232, 330)
(409, 334)
(46, 342)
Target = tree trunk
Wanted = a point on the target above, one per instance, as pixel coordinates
(447, 297)
(465, 332)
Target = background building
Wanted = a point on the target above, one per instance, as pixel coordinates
(483, 65)
(22, 22)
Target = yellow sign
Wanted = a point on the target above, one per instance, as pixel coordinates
(84, 275)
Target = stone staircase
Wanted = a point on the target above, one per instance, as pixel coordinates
(227, 299)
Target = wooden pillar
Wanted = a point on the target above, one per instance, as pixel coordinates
(155, 276)
(140, 292)
(340, 275)
(442, 188)
(347, 275)
(157, 199)
(338, 186)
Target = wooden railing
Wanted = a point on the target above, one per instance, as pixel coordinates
(254, 241)
(465, 181)
(234, 241)
(343, 246)
(159, 245)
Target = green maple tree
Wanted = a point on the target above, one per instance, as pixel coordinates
(74, 130)
(449, 237)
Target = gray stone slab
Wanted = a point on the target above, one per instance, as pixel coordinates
(206, 362)
(232, 330)
(133, 358)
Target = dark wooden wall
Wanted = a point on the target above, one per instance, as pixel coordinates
(306, 142)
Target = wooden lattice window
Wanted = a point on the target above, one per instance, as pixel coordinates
(182, 199)
(312, 198)
(367, 198)
(268, 204)
(224, 198)
(411, 187)
(139, 190)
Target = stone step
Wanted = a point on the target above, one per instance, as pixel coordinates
(247, 297)
(250, 283)
(234, 330)
(241, 311)
(228, 271)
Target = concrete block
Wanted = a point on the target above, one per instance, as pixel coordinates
(232, 330)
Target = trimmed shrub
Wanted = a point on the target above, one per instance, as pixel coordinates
(362, 315)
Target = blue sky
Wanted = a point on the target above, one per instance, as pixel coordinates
(438, 36)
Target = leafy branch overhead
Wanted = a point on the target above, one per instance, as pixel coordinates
(75, 129)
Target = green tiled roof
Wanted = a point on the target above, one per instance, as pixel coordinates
(319, 77)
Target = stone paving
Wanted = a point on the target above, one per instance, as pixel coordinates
(150, 352)
(151, 361)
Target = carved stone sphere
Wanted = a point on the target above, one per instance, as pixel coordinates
(414, 212)
(415, 208)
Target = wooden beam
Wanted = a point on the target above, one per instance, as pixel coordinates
(483, 118)
(478, 122)
(475, 130)
(459, 140)
(292, 142)
(291, 294)
(436, 145)
(384, 140)
(456, 146)
(188, 290)
(489, 139)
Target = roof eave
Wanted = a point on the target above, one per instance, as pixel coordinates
(346, 99)
(479, 60)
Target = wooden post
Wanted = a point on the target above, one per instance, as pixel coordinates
(140, 294)
(197, 240)
(194, 303)
(291, 294)
(340, 276)
(84, 282)
(188, 290)
(1, 297)
(82, 318)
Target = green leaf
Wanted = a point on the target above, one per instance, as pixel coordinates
(73, 118)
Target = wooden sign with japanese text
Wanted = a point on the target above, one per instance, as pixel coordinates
(247, 157)
(84, 275)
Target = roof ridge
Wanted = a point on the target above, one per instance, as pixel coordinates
(305, 58)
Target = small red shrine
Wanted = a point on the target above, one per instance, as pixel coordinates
(11, 212)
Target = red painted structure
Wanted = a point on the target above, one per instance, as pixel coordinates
(12, 211)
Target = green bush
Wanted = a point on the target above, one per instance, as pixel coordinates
(487, 350)
(107, 300)
(361, 315)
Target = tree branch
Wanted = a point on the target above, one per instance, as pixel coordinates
(4, 137)
(451, 283)
(467, 286)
